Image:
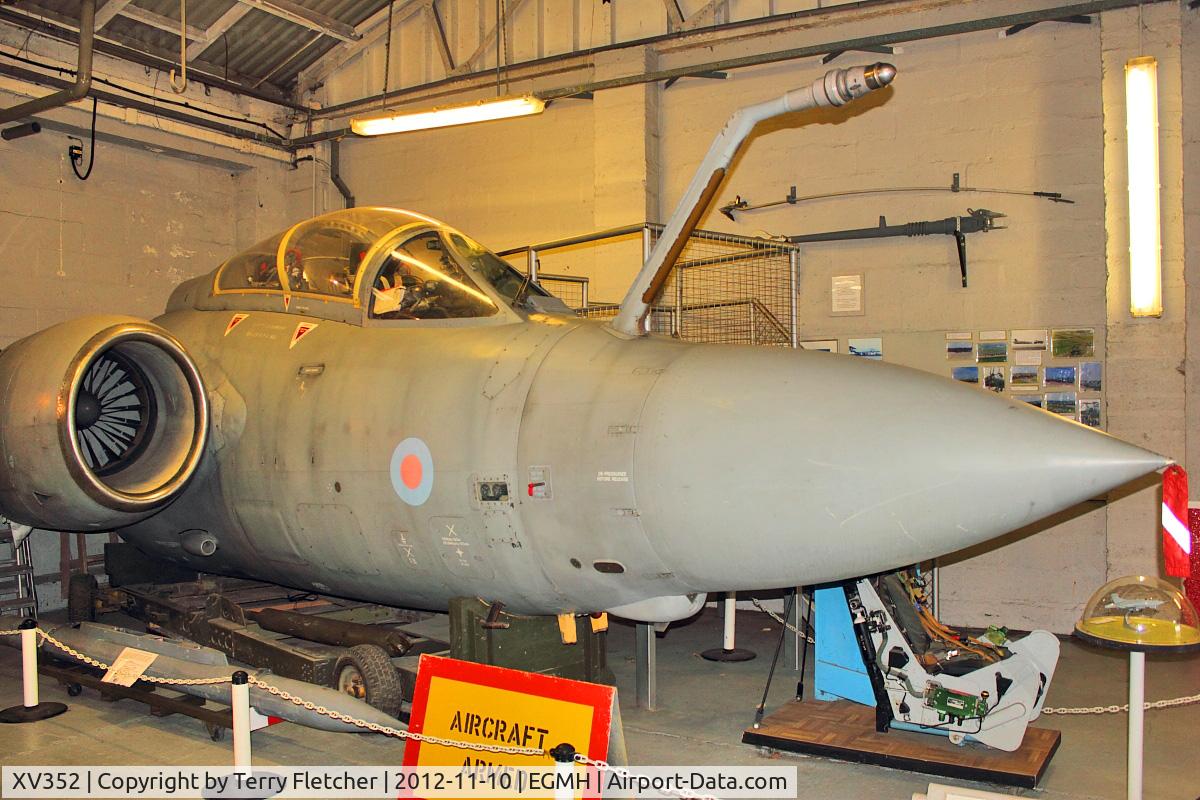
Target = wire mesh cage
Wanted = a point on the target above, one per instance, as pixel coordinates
(723, 288)
(571, 289)
(735, 290)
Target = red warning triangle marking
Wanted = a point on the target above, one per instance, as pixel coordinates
(302, 330)
(234, 321)
(287, 302)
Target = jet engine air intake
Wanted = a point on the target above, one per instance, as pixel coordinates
(118, 438)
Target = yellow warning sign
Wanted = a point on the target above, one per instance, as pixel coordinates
(466, 702)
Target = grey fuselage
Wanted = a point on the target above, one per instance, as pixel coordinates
(667, 469)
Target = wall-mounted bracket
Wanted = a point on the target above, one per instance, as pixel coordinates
(711, 74)
(883, 48)
(1076, 19)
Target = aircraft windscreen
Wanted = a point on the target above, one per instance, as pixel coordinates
(253, 269)
(420, 280)
(510, 284)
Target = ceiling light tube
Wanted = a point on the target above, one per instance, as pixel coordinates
(446, 116)
(1145, 231)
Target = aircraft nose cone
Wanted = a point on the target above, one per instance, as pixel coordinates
(809, 467)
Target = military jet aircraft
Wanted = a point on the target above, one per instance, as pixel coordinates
(371, 404)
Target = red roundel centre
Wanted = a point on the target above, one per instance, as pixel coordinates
(411, 471)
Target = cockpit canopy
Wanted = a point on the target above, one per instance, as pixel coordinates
(397, 264)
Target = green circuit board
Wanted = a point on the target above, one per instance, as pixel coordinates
(950, 703)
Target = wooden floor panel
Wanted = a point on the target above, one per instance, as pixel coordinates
(846, 731)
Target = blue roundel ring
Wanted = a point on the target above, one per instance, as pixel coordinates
(412, 471)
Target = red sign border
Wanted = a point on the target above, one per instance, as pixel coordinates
(598, 696)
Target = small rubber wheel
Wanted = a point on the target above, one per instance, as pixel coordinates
(957, 737)
(74, 689)
(81, 598)
(366, 672)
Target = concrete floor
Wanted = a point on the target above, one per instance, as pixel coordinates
(703, 708)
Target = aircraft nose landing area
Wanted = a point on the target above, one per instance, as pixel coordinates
(902, 465)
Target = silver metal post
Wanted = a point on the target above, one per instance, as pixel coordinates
(532, 265)
(647, 665)
(796, 640)
(794, 303)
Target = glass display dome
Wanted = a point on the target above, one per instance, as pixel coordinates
(1140, 612)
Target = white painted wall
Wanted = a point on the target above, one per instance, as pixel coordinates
(1039, 110)
(118, 243)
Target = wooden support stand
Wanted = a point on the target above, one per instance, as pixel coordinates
(846, 731)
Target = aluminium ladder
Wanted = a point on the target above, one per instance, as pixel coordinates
(16, 575)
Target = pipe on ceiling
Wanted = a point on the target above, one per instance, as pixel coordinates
(166, 112)
(83, 74)
(862, 43)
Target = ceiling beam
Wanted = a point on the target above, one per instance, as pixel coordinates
(704, 16)
(371, 30)
(439, 35)
(217, 30)
(65, 29)
(674, 15)
(107, 12)
(313, 20)
(162, 23)
(489, 39)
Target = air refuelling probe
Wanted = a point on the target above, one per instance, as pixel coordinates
(370, 404)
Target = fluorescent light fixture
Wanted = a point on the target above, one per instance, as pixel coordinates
(1145, 232)
(464, 114)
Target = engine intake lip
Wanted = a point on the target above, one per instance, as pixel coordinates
(177, 462)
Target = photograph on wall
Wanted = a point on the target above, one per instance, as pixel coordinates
(993, 378)
(1073, 342)
(965, 374)
(1024, 378)
(959, 350)
(1030, 339)
(993, 336)
(1034, 400)
(866, 348)
(1091, 378)
(1089, 413)
(1059, 377)
(992, 352)
(1061, 403)
(824, 345)
(1028, 358)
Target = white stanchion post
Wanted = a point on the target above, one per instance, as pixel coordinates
(564, 770)
(1137, 699)
(29, 676)
(241, 721)
(32, 709)
(730, 619)
(729, 651)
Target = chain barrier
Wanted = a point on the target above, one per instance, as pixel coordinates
(1175, 701)
(388, 731)
(782, 621)
(358, 723)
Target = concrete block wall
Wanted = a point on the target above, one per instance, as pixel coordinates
(1023, 113)
(1035, 111)
(117, 243)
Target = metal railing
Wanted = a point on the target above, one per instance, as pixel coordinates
(724, 288)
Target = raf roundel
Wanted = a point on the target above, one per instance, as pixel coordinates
(412, 471)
